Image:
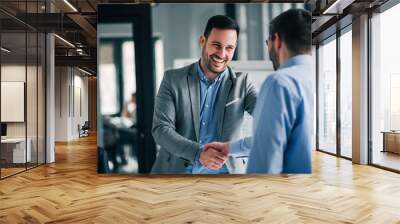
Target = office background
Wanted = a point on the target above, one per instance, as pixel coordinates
(173, 31)
(340, 189)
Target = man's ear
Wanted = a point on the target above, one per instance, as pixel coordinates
(277, 41)
(202, 41)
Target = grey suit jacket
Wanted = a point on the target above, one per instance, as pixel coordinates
(177, 118)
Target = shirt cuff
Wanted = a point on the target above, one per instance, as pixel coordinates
(197, 157)
(240, 148)
(234, 147)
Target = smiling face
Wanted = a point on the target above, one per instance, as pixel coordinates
(217, 50)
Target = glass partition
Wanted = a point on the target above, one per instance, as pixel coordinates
(327, 96)
(385, 89)
(14, 153)
(22, 64)
(41, 107)
(31, 98)
(346, 93)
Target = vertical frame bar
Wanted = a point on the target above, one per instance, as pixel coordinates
(73, 91)
(45, 89)
(317, 96)
(117, 54)
(60, 86)
(369, 78)
(338, 93)
(144, 60)
(230, 10)
(37, 90)
(47, 6)
(26, 86)
(0, 92)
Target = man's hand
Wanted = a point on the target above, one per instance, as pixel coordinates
(212, 158)
(220, 146)
(214, 155)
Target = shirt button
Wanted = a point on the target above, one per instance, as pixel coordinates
(204, 123)
(200, 141)
(206, 105)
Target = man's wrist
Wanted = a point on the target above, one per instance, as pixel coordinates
(197, 157)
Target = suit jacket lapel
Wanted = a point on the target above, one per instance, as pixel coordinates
(223, 99)
(194, 93)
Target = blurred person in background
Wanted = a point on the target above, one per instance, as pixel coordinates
(129, 110)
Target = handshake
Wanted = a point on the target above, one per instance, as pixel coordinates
(214, 155)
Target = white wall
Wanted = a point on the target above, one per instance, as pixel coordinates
(33, 106)
(61, 103)
(12, 73)
(71, 87)
(79, 117)
(15, 73)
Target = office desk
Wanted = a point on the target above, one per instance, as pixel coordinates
(391, 141)
(13, 150)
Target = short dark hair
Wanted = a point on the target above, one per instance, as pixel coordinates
(294, 28)
(221, 22)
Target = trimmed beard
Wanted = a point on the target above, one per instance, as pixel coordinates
(207, 62)
(273, 56)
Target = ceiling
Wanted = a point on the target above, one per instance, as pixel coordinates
(332, 15)
(76, 21)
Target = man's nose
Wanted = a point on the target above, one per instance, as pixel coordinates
(221, 53)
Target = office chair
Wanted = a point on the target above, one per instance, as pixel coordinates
(84, 130)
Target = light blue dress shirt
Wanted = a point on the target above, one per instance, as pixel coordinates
(283, 121)
(208, 123)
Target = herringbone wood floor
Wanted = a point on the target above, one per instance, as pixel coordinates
(70, 191)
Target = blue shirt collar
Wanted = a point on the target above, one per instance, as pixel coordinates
(203, 77)
(297, 60)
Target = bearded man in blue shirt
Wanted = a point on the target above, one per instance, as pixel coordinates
(283, 116)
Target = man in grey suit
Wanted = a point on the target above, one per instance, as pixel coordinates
(202, 103)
